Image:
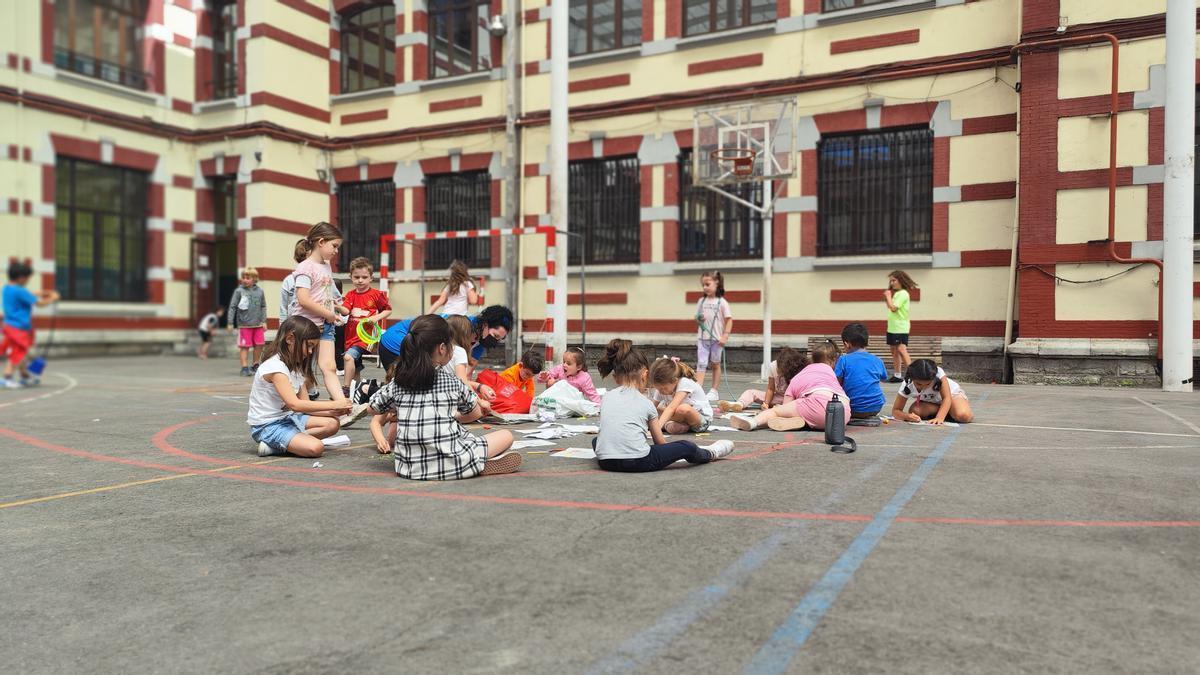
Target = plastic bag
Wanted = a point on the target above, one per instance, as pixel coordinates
(509, 397)
(564, 401)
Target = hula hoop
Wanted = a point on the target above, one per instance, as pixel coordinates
(367, 336)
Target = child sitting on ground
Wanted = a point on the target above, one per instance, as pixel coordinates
(523, 372)
(806, 397)
(779, 374)
(682, 404)
(626, 416)
(430, 443)
(574, 372)
(248, 314)
(281, 420)
(927, 394)
(860, 372)
(18, 303)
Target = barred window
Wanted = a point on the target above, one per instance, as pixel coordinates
(366, 211)
(369, 48)
(711, 16)
(99, 232)
(459, 41)
(602, 25)
(101, 39)
(458, 201)
(605, 208)
(713, 226)
(224, 53)
(875, 193)
(834, 5)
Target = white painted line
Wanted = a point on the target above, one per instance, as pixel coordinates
(71, 384)
(1097, 431)
(1170, 414)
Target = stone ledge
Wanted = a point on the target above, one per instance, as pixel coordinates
(1082, 347)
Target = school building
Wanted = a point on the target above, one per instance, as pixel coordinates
(149, 149)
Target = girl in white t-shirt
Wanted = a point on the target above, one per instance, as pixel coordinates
(927, 394)
(279, 418)
(459, 295)
(463, 334)
(682, 403)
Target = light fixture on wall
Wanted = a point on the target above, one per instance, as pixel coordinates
(498, 27)
(323, 175)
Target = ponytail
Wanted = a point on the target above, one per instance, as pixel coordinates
(304, 248)
(669, 370)
(718, 279)
(414, 368)
(921, 369)
(316, 233)
(826, 352)
(621, 360)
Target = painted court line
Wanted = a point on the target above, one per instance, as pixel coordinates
(1170, 414)
(1096, 431)
(775, 655)
(71, 384)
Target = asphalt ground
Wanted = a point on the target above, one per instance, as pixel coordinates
(141, 533)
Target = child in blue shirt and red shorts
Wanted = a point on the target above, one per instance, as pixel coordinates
(18, 324)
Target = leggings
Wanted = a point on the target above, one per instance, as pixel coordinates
(386, 357)
(659, 457)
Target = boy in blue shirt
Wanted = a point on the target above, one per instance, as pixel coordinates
(860, 373)
(18, 323)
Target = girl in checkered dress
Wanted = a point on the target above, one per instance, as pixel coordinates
(429, 405)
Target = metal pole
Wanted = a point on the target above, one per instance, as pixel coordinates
(1178, 195)
(558, 174)
(767, 242)
(583, 292)
(513, 173)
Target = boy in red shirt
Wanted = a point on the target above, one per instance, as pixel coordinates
(365, 304)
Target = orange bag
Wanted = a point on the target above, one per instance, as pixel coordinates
(509, 397)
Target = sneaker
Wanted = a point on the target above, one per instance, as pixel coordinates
(11, 384)
(505, 463)
(355, 415)
(786, 423)
(346, 392)
(254, 368)
(895, 378)
(731, 406)
(720, 449)
(713, 395)
(265, 450)
(354, 395)
(314, 394)
(245, 371)
(742, 422)
(31, 381)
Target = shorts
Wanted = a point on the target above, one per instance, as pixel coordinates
(251, 337)
(894, 339)
(279, 433)
(705, 420)
(16, 343)
(205, 336)
(812, 409)
(357, 352)
(707, 351)
(328, 332)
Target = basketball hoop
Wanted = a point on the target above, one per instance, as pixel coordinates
(740, 160)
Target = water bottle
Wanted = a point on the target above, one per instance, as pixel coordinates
(835, 427)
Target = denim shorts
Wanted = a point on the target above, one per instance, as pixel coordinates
(328, 332)
(279, 433)
(357, 352)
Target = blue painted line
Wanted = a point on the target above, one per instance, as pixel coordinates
(649, 642)
(775, 655)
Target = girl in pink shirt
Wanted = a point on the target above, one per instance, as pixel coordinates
(315, 297)
(806, 397)
(574, 372)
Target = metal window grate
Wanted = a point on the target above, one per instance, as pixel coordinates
(605, 208)
(712, 16)
(366, 211)
(875, 193)
(712, 226)
(458, 201)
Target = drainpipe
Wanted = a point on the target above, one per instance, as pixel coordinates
(512, 167)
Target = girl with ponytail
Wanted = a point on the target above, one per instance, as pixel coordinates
(316, 296)
(429, 405)
(682, 404)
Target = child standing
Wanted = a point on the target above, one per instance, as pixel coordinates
(18, 303)
(574, 372)
(716, 323)
(459, 294)
(365, 304)
(248, 314)
(779, 374)
(927, 394)
(208, 324)
(626, 416)
(860, 372)
(430, 442)
(681, 401)
(279, 418)
(896, 297)
(806, 397)
(315, 297)
(523, 372)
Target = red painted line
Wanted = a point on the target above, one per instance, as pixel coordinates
(1024, 522)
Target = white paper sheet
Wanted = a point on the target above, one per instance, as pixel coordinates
(337, 441)
(576, 453)
(531, 443)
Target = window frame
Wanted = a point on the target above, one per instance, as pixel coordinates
(132, 274)
(619, 19)
(374, 203)
(854, 4)
(224, 21)
(721, 214)
(386, 56)
(452, 7)
(586, 206)
(68, 58)
(743, 13)
(873, 194)
(468, 206)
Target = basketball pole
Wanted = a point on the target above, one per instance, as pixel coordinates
(768, 220)
(556, 278)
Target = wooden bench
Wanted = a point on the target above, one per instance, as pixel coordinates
(919, 347)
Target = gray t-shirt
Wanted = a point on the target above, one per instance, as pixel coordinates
(625, 416)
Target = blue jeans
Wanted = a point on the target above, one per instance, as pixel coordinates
(659, 457)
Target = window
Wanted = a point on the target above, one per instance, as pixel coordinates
(605, 207)
(459, 41)
(224, 54)
(601, 25)
(224, 200)
(834, 5)
(101, 39)
(713, 226)
(710, 16)
(1196, 177)
(366, 211)
(369, 48)
(875, 193)
(99, 232)
(458, 201)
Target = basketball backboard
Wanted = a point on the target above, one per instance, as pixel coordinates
(726, 138)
